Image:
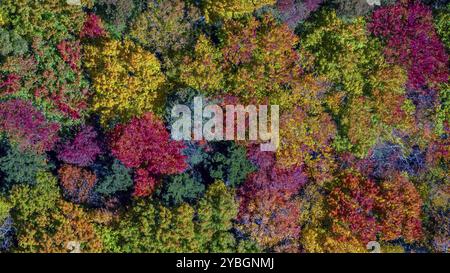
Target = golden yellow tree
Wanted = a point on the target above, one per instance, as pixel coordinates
(232, 8)
(126, 79)
(203, 70)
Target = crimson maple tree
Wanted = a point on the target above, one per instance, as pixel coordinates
(144, 144)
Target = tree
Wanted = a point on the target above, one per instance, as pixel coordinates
(439, 230)
(117, 179)
(31, 207)
(353, 8)
(21, 167)
(4, 209)
(386, 159)
(70, 52)
(11, 84)
(306, 140)
(26, 126)
(118, 14)
(442, 25)
(74, 225)
(87, 90)
(50, 77)
(342, 51)
(432, 185)
(45, 223)
(145, 145)
(400, 210)
(228, 163)
(214, 9)
(6, 228)
(370, 210)
(148, 227)
(202, 71)
(269, 210)
(181, 188)
(12, 43)
(82, 150)
(366, 103)
(145, 184)
(167, 28)
(295, 11)
(126, 79)
(6, 235)
(216, 211)
(256, 62)
(53, 20)
(77, 183)
(412, 42)
(266, 63)
(92, 27)
(351, 205)
(443, 111)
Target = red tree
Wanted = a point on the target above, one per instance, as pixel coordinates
(352, 204)
(82, 150)
(144, 144)
(269, 211)
(400, 209)
(388, 209)
(93, 27)
(26, 126)
(412, 41)
(70, 52)
(10, 85)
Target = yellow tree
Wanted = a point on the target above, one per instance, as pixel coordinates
(53, 20)
(126, 79)
(214, 9)
(46, 223)
(256, 61)
(203, 70)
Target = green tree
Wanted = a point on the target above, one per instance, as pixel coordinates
(228, 162)
(32, 207)
(117, 179)
(216, 211)
(367, 98)
(181, 188)
(216, 9)
(5, 206)
(53, 20)
(21, 167)
(12, 43)
(442, 22)
(149, 227)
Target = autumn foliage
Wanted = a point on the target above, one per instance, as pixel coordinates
(26, 126)
(82, 150)
(87, 95)
(145, 145)
(412, 42)
(389, 211)
(268, 206)
(77, 183)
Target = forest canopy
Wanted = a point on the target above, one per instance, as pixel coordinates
(87, 156)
